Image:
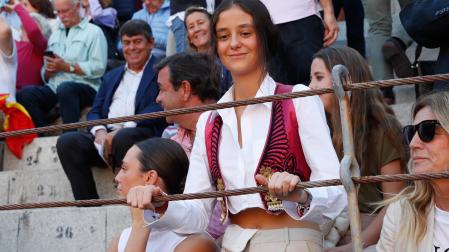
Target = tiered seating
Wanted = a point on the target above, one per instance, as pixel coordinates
(39, 177)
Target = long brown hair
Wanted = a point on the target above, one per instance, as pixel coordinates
(43, 7)
(371, 116)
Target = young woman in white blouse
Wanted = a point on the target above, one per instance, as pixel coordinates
(418, 218)
(273, 144)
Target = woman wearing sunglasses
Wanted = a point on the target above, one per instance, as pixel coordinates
(418, 218)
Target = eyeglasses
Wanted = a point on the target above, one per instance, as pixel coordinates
(426, 131)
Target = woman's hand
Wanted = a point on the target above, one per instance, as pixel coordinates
(282, 185)
(9, 6)
(141, 196)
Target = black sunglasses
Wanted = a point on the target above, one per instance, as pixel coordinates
(426, 131)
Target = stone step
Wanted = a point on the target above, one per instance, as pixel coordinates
(40, 154)
(39, 177)
(42, 185)
(403, 112)
(62, 229)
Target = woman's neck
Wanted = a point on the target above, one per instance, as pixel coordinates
(246, 86)
(441, 188)
(203, 49)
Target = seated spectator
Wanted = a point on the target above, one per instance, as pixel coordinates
(183, 86)
(101, 13)
(160, 162)
(126, 90)
(73, 73)
(417, 218)
(8, 61)
(197, 23)
(377, 137)
(156, 14)
(44, 8)
(31, 47)
(176, 41)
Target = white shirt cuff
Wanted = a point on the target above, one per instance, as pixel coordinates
(95, 128)
(129, 124)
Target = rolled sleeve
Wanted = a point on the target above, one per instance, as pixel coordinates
(95, 128)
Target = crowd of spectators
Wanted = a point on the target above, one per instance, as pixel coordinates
(122, 58)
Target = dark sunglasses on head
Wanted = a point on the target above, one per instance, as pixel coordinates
(426, 131)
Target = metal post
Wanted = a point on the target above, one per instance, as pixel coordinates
(348, 167)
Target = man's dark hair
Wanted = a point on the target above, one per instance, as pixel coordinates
(136, 27)
(196, 68)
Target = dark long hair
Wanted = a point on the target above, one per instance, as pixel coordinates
(43, 7)
(267, 32)
(168, 159)
(371, 116)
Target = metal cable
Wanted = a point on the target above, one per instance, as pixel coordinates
(216, 106)
(218, 194)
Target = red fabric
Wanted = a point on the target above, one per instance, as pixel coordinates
(16, 118)
(283, 149)
(30, 54)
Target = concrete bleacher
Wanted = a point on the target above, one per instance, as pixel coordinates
(39, 177)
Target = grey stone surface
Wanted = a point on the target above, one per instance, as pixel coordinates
(403, 112)
(405, 94)
(104, 179)
(9, 223)
(41, 185)
(68, 229)
(41, 154)
(117, 219)
(4, 188)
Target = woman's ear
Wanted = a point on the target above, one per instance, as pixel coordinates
(151, 177)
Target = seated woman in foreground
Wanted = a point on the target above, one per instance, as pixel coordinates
(377, 135)
(418, 218)
(161, 162)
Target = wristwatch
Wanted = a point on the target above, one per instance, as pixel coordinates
(71, 68)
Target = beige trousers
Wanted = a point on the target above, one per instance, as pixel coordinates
(285, 239)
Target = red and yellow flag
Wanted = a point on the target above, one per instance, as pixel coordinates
(16, 118)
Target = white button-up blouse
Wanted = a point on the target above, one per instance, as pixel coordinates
(238, 164)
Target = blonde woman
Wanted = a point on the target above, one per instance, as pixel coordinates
(418, 218)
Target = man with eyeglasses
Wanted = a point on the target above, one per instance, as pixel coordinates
(74, 63)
